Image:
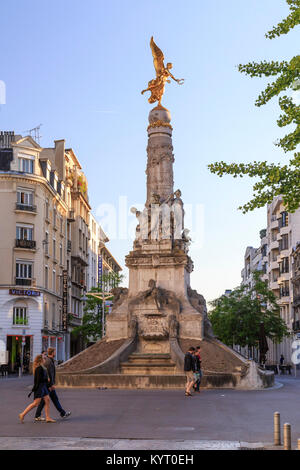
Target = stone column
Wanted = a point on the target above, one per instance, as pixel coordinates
(160, 155)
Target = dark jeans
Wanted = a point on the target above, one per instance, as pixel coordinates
(55, 402)
(197, 384)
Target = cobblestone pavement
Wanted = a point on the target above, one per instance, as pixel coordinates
(106, 419)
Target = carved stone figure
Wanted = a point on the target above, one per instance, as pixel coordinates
(120, 294)
(133, 326)
(142, 231)
(162, 298)
(198, 302)
(173, 326)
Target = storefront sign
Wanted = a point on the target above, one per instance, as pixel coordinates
(65, 301)
(100, 271)
(27, 293)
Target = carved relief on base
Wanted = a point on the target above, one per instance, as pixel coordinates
(156, 311)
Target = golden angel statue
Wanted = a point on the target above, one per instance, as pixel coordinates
(157, 85)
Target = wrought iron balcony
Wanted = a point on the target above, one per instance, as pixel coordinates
(25, 207)
(23, 281)
(29, 244)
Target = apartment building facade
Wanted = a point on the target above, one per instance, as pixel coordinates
(51, 248)
(277, 258)
(33, 211)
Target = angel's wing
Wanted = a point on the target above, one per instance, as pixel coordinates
(158, 58)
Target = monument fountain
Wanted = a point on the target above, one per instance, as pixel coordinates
(159, 315)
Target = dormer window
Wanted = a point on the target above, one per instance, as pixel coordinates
(48, 170)
(26, 163)
(55, 181)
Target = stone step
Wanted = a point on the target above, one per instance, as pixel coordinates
(121, 381)
(140, 381)
(149, 359)
(146, 355)
(153, 368)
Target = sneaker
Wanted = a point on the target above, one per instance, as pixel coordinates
(39, 419)
(67, 414)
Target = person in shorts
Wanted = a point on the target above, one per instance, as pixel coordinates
(189, 369)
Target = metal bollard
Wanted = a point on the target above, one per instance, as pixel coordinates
(287, 444)
(277, 436)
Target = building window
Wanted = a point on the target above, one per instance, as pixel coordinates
(54, 249)
(283, 221)
(53, 316)
(46, 244)
(54, 281)
(284, 266)
(20, 316)
(284, 289)
(46, 277)
(47, 209)
(24, 197)
(24, 232)
(284, 242)
(61, 253)
(46, 314)
(26, 165)
(54, 217)
(23, 270)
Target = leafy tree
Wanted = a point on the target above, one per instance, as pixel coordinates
(236, 318)
(91, 328)
(274, 179)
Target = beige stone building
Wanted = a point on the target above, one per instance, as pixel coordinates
(34, 213)
(50, 245)
(77, 235)
(278, 265)
(283, 235)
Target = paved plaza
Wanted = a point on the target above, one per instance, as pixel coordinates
(141, 419)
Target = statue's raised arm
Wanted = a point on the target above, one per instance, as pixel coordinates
(157, 85)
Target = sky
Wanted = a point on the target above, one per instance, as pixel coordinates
(78, 69)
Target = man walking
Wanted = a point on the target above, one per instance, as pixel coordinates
(189, 368)
(50, 366)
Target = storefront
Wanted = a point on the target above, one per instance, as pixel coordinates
(57, 342)
(19, 353)
(21, 320)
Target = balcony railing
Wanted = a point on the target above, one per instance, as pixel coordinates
(25, 207)
(29, 244)
(23, 281)
(284, 293)
(296, 300)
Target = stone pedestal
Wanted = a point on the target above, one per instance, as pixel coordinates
(159, 304)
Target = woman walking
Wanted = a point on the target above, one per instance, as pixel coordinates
(40, 389)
